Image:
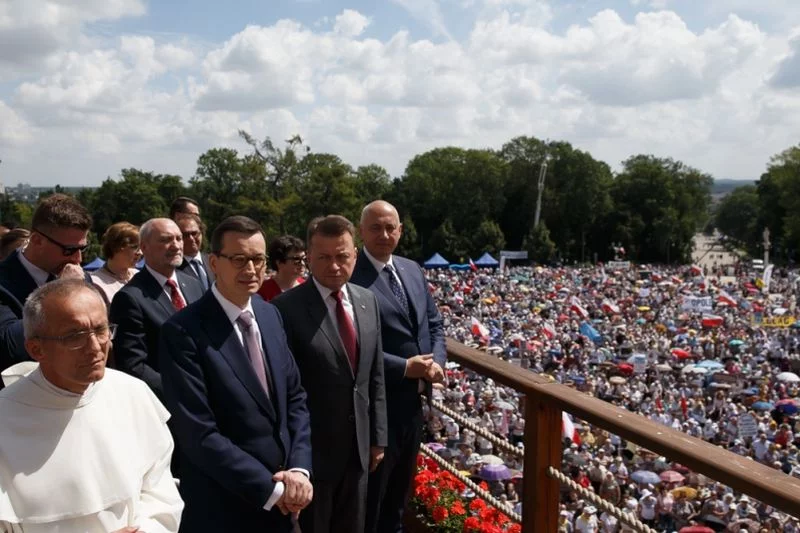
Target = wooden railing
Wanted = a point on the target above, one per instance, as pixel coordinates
(543, 403)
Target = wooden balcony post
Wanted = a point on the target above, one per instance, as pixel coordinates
(540, 492)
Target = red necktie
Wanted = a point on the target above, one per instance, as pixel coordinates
(177, 300)
(346, 331)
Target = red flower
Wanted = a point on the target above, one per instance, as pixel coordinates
(472, 524)
(484, 485)
(514, 528)
(477, 504)
(458, 508)
(440, 514)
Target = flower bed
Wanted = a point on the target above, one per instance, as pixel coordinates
(441, 503)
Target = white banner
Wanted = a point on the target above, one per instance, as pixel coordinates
(747, 426)
(514, 255)
(767, 277)
(697, 304)
(619, 265)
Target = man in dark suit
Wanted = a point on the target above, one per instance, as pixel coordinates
(333, 329)
(153, 295)
(414, 357)
(59, 235)
(195, 262)
(234, 391)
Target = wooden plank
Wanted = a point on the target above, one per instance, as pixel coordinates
(744, 475)
(540, 492)
(521, 379)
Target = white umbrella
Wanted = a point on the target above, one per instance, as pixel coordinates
(692, 369)
(788, 377)
(491, 460)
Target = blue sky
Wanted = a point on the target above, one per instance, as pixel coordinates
(88, 87)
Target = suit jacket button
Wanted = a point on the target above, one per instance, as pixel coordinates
(281, 468)
(355, 388)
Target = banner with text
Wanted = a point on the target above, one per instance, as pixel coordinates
(697, 304)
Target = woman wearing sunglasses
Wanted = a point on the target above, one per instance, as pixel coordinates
(287, 258)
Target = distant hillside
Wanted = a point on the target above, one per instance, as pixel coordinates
(723, 187)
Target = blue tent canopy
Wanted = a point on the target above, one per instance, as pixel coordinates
(94, 265)
(436, 261)
(487, 260)
(456, 266)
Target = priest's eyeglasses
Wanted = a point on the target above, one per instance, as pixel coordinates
(79, 339)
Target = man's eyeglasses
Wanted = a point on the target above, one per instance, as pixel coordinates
(296, 259)
(79, 339)
(67, 250)
(192, 234)
(239, 261)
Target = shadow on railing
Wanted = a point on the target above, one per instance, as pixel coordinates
(543, 403)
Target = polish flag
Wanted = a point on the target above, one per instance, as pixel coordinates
(479, 329)
(656, 277)
(548, 330)
(431, 287)
(472, 265)
(676, 280)
(726, 298)
(610, 307)
(711, 321)
(696, 270)
(568, 430)
(576, 306)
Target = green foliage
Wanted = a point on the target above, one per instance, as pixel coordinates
(539, 245)
(488, 238)
(737, 215)
(409, 242)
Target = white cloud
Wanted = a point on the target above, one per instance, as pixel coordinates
(350, 23)
(427, 12)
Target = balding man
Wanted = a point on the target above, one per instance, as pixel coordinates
(414, 357)
(153, 295)
(83, 448)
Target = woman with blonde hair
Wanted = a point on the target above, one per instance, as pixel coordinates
(121, 250)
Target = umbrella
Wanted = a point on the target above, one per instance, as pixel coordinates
(494, 472)
(491, 460)
(753, 391)
(680, 354)
(663, 367)
(762, 406)
(787, 408)
(687, 492)
(693, 369)
(671, 476)
(744, 524)
(710, 519)
(435, 446)
(617, 380)
(625, 368)
(645, 477)
(575, 459)
(504, 406)
(709, 364)
(788, 377)
(643, 308)
(736, 342)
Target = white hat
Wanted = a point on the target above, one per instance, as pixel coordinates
(590, 510)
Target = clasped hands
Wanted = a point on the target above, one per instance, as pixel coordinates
(424, 367)
(297, 491)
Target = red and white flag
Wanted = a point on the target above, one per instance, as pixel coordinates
(479, 329)
(568, 430)
(610, 307)
(696, 270)
(727, 299)
(472, 265)
(676, 280)
(548, 330)
(576, 306)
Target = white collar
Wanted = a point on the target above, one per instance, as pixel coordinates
(232, 311)
(39, 276)
(325, 292)
(198, 258)
(378, 264)
(161, 278)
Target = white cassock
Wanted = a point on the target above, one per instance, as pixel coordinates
(95, 462)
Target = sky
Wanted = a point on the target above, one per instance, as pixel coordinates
(89, 87)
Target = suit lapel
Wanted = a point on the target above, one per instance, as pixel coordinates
(188, 288)
(382, 286)
(362, 324)
(411, 293)
(319, 315)
(23, 284)
(155, 291)
(226, 341)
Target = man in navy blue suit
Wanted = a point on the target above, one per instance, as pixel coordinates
(234, 391)
(414, 357)
(59, 235)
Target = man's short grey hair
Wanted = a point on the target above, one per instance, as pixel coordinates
(33, 315)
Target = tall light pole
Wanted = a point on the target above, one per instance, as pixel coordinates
(542, 174)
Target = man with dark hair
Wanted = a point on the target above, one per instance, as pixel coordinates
(59, 235)
(153, 295)
(183, 205)
(413, 353)
(333, 329)
(195, 261)
(287, 258)
(234, 391)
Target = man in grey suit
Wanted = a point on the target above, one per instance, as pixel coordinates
(333, 329)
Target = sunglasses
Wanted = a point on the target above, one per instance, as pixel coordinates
(67, 250)
(297, 260)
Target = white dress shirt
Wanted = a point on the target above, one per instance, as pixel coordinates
(162, 280)
(39, 276)
(330, 303)
(233, 311)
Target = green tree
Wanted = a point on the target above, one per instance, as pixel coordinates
(488, 238)
(409, 242)
(539, 245)
(779, 205)
(737, 216)
(372, 182)
(448, 242)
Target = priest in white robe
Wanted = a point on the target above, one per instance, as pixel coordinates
(82, 448)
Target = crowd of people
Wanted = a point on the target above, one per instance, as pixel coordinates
(713, 357)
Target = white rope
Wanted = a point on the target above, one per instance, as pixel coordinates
(491, 500)
(604, 505)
